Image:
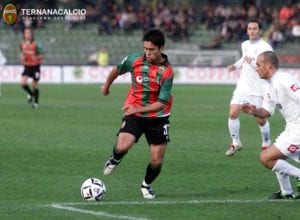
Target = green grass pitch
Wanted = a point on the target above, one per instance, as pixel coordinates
(46, 154)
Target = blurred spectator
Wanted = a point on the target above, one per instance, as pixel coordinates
(177, 20)
(285, 13)
(105, 25)
(275, 35)
(230, 20)
(214, 44)
(103, 57)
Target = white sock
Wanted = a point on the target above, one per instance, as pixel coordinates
(144, 183)
(265, 134)
(284, 168)
(234, 130)
(284, 183)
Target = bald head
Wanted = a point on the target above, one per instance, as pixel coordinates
(270, 57)
(266, 64)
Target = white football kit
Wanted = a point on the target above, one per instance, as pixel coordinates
(249, 86)
(2, 59)
(283, 92)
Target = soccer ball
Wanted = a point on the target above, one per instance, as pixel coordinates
(93, 189)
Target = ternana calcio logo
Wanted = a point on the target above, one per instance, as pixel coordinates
(10, 14)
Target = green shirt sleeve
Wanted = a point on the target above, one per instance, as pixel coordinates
(39, 49)
(126, 64)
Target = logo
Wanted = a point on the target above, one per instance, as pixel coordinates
(294, 87)
(161, 70)
(78, 72)
(279, 106)
(141, 79)
(10, 14)
(293, 148)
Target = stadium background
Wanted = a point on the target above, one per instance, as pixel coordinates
(204, 27)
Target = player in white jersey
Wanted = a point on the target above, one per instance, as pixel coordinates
(248, 88)
(2, 62)
(283, 92)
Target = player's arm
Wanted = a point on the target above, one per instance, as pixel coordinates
(250, 60)
(252, 110)
(163, 99)
(291, 87)
(22, 57)
(39, 51)
(113, 74)
(2, 59)
(131, 109)
(236, 65)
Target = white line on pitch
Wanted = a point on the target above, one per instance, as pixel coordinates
(105, 214)
(175, 202)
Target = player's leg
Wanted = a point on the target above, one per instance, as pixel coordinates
(24, 85)
(36, 93)
(274, 158)
(124, 142)
(286, 191)
(264, 127)
(263, 123)
(153, 169)
(234, 129)
(157, 135)
(35, 74)
(128, 134)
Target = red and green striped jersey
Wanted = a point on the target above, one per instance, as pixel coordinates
(150, 83)
(30, 52)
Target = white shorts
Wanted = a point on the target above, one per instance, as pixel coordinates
(240, 98)
(288, 142)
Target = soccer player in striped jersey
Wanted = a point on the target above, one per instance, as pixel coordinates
(31, 56)
(248, 88)
(147, 106)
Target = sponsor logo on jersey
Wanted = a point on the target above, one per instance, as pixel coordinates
(141, 79)
(279, 106)
(294, 87)
(10, 14)
(293, 148)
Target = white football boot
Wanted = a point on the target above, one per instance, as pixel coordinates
(147, 192)
(110, 165)
(233, 149)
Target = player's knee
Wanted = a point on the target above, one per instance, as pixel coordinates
(233, 114)
(156, 164)
(22, 84)
(122, 148)
(265, 160)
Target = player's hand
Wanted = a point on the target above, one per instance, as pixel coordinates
(22, 57)
(104, 90)
(231, 68)
(248, 59)
(130, 109)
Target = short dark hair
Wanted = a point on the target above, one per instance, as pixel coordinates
(255, 21)
(31, 30)
(155, 36)
(271, 57)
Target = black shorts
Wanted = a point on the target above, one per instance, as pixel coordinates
(156, 130)
(32, 72)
